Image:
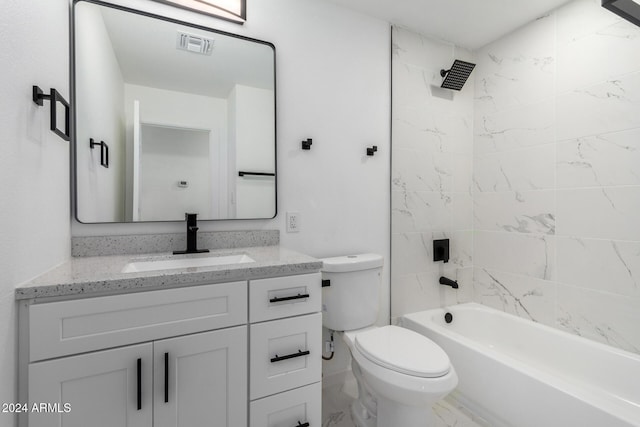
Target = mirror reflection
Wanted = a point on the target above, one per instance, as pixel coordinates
(185, 115)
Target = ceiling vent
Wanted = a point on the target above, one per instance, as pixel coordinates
(195, 44)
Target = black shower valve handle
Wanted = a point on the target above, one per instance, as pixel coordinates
(441, 250)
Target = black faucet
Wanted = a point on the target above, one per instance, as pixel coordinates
(448, 282)
(192, 236)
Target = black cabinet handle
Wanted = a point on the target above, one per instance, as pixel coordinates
(289, 298)
(290, 356)
(139, 384)
(302, 425)
(166, 378)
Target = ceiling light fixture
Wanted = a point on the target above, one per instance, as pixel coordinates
(230, 10)
(628, 9)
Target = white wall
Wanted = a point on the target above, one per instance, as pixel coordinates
(100, 108)
(34, 162)
(181, 110)
(253, 142)
(431, 175)
(168, 156)
(333, 85)
(557, 188)
(231, 153)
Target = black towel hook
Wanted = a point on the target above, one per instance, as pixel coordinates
(306, 145)
(372, 150)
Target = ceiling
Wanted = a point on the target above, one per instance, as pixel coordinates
(155, 62)
(466, 23)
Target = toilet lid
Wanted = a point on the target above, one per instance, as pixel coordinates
(404, 351)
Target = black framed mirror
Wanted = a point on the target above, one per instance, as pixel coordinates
(188, 114)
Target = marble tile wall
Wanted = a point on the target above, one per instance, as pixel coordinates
(432, 163)
(556, 174)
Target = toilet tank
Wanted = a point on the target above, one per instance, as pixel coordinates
(352, 298)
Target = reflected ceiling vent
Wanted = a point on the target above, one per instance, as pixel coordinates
(195, 44)
(457, 76)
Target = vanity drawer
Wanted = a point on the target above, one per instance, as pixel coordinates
(289, 409)
(279, 358)
(77, 326)
(280, 297)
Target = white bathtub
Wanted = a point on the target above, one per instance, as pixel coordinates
(518, 373)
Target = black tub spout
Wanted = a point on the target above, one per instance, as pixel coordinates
(448, 282)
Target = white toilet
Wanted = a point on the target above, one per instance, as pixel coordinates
(400, 373)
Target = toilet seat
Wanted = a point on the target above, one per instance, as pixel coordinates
(404, 351)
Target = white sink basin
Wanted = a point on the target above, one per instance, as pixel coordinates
(172, 263)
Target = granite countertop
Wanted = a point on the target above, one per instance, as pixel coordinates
(101, 275)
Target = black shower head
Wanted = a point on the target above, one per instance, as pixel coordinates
(457, 76)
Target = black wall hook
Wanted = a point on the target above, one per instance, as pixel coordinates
(104, 151)
(54, 97)
(371, 150)
(306, 145)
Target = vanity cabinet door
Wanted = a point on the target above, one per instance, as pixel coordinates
(102, 389)
(201, 380)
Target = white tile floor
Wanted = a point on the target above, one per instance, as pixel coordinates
(337, 398)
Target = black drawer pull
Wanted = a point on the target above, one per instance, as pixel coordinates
(139, 384)
(289, 298)
(166, 378)
(302, 425)
(290, 356)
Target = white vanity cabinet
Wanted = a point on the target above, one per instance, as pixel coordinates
(176, 358)
(285, 343)
(238, 354)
